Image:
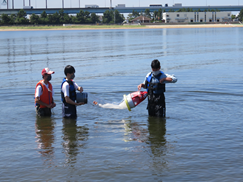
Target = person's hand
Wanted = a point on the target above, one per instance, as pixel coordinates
(81, 89)
(139, 86)
(80, 103)
(53, 105)
(49, 106)
(162, 80)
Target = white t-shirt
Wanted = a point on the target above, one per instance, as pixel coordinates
(39, 90)
(65, 88)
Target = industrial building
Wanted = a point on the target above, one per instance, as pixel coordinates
(186, 17)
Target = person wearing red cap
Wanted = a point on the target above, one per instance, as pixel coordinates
(44, 94)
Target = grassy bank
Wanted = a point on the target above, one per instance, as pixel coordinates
(71, 27)
(94, 27)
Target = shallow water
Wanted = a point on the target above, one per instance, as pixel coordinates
(201, 138)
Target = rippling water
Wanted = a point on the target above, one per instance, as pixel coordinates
(200, 140)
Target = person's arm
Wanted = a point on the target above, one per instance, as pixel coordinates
(141, 86)
(78, 87)
(37, 100)
(69, 101)
(65, 89)
(165, 79)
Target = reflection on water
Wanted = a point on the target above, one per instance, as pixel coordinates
(157, 142)
(152, 137)
(108, 144)
(44, 128)
(74, 139)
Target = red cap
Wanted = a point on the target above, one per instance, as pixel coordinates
(47, 71)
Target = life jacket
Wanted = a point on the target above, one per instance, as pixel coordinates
(154, 87)
(47, 95)
(72, 92)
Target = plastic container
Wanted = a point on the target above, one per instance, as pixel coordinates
(82, 97)
(133, 99)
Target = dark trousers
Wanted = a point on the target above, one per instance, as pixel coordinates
(43, 111)
(156, 105)
(69, 111)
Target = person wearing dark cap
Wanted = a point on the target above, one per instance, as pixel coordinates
(44, 94)
(68, 93)
(154, 83)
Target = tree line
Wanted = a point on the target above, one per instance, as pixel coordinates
(83, 17)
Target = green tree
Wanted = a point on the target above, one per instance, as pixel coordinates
(233, 17)
(240, 16)
(155, 14)
(34, 19)
(21, 17)
(80, 17)
(147, 13)
(87, 17)
(12, 18)
(5, 19)
(53, 19)
(94, 18)
(135, 13)
(67, 18)
(61, 16)
(108, 17)
(118, 17)
(160, 12)
(43, 19)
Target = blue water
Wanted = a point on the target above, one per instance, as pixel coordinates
(201, 138)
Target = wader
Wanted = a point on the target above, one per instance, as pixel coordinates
(43, 111)
(156, 99)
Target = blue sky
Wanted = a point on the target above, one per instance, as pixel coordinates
(129, 3)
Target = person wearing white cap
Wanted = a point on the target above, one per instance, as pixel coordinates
(44, 94)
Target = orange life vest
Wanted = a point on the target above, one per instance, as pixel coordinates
(46, 96)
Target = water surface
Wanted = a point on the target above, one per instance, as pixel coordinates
(201, 138)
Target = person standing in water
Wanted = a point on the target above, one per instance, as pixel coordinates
(155, 88)
(44, 94)
(68, 93)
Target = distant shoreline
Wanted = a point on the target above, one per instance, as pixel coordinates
(102, 27)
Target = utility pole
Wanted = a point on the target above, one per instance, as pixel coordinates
(79, 3)
(62, 4)
(12, 4)
(23, 3)
(46, 4)
(29, 2)
(110, 4)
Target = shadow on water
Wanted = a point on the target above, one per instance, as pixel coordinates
(44, 128)
(74, 139)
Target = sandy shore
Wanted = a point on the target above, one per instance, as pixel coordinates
(118, 27)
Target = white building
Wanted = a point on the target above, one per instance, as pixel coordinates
(186, 17)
